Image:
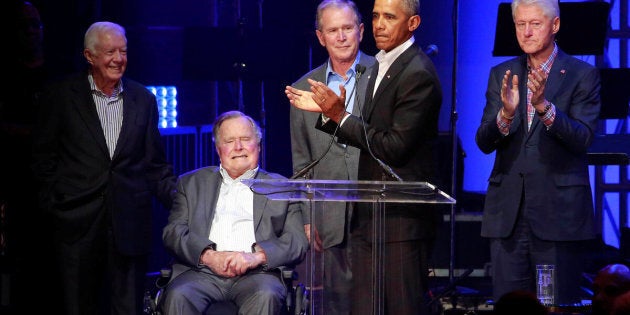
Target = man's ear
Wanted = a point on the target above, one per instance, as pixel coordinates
(555, 25)
(413, 22)
(320, 38)
(88, 56)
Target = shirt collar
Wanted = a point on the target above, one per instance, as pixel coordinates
(349, 73)
(546, 66)
(249, 174)
(390, 56)
(117, 90)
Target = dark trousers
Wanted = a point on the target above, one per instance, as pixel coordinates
(337, 280)
(514, 261)
(96, 279)
(405, 277)
(194, 291)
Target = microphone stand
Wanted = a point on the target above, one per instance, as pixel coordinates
(452, 287)
(451, 265)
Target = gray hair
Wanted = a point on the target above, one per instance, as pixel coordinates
(550, 8)
(410, 7)
(91, 35)
(338, 4)
(234, 114)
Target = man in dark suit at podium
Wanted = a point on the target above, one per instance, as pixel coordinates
(540, 117)
(396, 131)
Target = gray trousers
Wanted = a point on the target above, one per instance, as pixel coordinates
(192, 292)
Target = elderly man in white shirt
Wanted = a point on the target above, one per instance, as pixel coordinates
(226, 240)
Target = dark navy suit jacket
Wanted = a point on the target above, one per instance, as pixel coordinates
(546, 167)
(79, 178)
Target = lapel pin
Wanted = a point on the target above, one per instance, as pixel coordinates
(563, 71)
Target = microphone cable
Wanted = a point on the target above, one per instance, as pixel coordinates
(384, 166)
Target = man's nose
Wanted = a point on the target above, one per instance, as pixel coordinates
(377, 23)
(118, 55)
(238, 144)
(341, 35)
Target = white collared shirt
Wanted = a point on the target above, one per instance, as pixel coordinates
(232, 227)
(385, 60)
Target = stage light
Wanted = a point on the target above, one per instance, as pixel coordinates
(166, 97)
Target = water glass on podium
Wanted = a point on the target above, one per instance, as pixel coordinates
(545, 284)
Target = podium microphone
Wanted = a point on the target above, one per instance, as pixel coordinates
(359, 69)
(431, 50)
(388, 169)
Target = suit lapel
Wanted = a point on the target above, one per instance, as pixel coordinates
(556, 76)
(369, 104)
(393, 71)
(260, 203)
(554, 81)
(88, 112)
(214, 186)
(362, 85)
(129, 116)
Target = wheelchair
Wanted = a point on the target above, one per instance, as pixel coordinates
(296, 303)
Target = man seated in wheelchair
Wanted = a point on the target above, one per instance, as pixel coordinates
(226, 240)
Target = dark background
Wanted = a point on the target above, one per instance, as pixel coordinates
(194, 45)
(225, 55)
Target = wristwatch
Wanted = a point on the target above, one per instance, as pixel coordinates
(547, 108)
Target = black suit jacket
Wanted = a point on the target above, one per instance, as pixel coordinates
(401, 129)
(546, 167)
(80, 180)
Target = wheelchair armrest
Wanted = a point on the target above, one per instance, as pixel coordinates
(288, 274)
(165, 277)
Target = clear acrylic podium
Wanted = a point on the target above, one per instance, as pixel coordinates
(379, 193)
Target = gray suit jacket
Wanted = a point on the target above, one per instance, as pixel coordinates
(341, 162)
(278, 224)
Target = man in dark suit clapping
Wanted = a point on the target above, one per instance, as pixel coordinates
(540, 117)
(397, 126)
